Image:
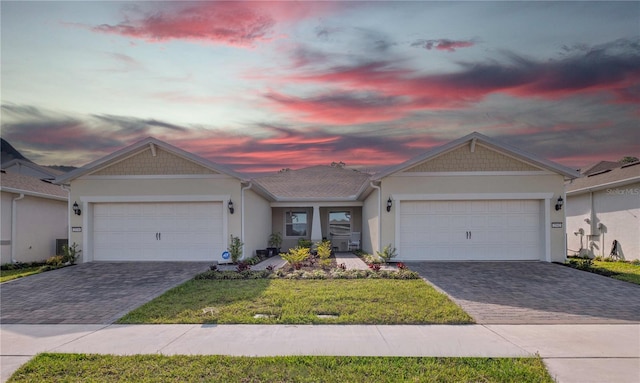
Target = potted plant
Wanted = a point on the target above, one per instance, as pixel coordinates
(275, 240)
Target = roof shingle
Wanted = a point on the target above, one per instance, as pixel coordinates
(17, 182)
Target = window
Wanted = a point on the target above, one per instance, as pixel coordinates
(340, 223)
(295, 224)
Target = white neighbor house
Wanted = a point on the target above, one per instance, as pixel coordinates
(34, 215)
(603, 206)
(472, 199)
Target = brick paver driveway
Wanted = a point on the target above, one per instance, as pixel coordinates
(89, 293)
(533, 292)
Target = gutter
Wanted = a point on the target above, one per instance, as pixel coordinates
(14, 220)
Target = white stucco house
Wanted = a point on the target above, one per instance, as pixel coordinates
(604, 206)
(34, 215)
(471, 199)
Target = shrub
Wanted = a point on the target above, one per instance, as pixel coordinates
(374, 266)
(371, 259)
(275, 240)
(324, 253)
(296, 256)
(242, 266)
(235, 248)
(387, 253)
(306, 243)
(56, 260)
(401, 266)
(70, 254)
(636, 262)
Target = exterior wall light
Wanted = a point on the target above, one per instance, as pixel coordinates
(389, 203)
(559, 203)
(76, 209)
(230, 206)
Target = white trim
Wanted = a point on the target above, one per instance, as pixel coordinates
(469, 196)
(156, 176)
(156, 198)
(338, 210)
(466, 174)
(547, 229)
(284, 221)
(33, 194)
(302, 204)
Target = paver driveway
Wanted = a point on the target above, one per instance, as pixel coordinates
(533, 292)
(89, 293)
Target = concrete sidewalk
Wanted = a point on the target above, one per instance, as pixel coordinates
(572, 353)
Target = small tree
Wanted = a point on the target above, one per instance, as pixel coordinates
(324, 253)
(387, 253)
(296, 256)
(235, 248)
(275, 240)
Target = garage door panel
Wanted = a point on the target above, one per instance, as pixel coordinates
(158, 231)
(470, 230)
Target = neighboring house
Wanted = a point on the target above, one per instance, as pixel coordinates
(603, 206)
(34, 216)
(472, 199)
(28, 168)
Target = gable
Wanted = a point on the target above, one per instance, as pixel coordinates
(482, 159)
(146, 163)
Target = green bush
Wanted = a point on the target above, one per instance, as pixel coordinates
(387, 253)
(324, 253)
(70, 254)
(235, 248)
(303, 242)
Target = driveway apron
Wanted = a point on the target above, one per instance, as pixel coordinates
(533, 292)
(89, 293)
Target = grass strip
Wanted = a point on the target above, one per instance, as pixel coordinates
(216, 368)
(282, 301)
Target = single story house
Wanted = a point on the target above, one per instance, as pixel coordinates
(34, 217)
(604, 206)
(472, 199)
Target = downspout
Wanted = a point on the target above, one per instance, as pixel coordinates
(66, 188)
(14, 221)
(242, 215)
(379, 215)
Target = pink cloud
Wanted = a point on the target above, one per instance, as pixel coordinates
(235, 23)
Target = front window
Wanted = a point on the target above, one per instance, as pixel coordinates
(340, 223)
(295, 224)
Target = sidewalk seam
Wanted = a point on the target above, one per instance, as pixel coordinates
(159, 351)
(80, 337)
(510, 341)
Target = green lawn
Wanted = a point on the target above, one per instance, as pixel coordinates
(7, 275)
(283, 301)
(626, 271)
(159, 368)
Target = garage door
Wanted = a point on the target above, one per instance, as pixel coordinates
(471, 230)
(185, 231)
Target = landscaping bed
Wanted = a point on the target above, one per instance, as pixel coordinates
(292, 301)
(217, 368)
(621, 270)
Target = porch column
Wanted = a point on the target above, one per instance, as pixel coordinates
(316, 229)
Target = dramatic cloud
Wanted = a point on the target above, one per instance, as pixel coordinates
(235, 23)
(442, 44)
(601, 70)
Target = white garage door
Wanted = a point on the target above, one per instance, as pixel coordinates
(471, 230)
(183, 231)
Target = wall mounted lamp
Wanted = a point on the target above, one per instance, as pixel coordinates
(389, 203)
(559, 203)
(230, 206)
(76, 209)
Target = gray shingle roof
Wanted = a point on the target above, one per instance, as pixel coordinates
(605, 177)
(315, 182)
(13, 182)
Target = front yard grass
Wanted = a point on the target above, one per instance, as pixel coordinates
(626, 271)
(160, 368)
(283, 301)
(7, 275)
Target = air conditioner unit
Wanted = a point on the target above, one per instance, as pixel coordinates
(59, 244)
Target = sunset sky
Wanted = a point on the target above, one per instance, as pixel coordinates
(259, 86)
